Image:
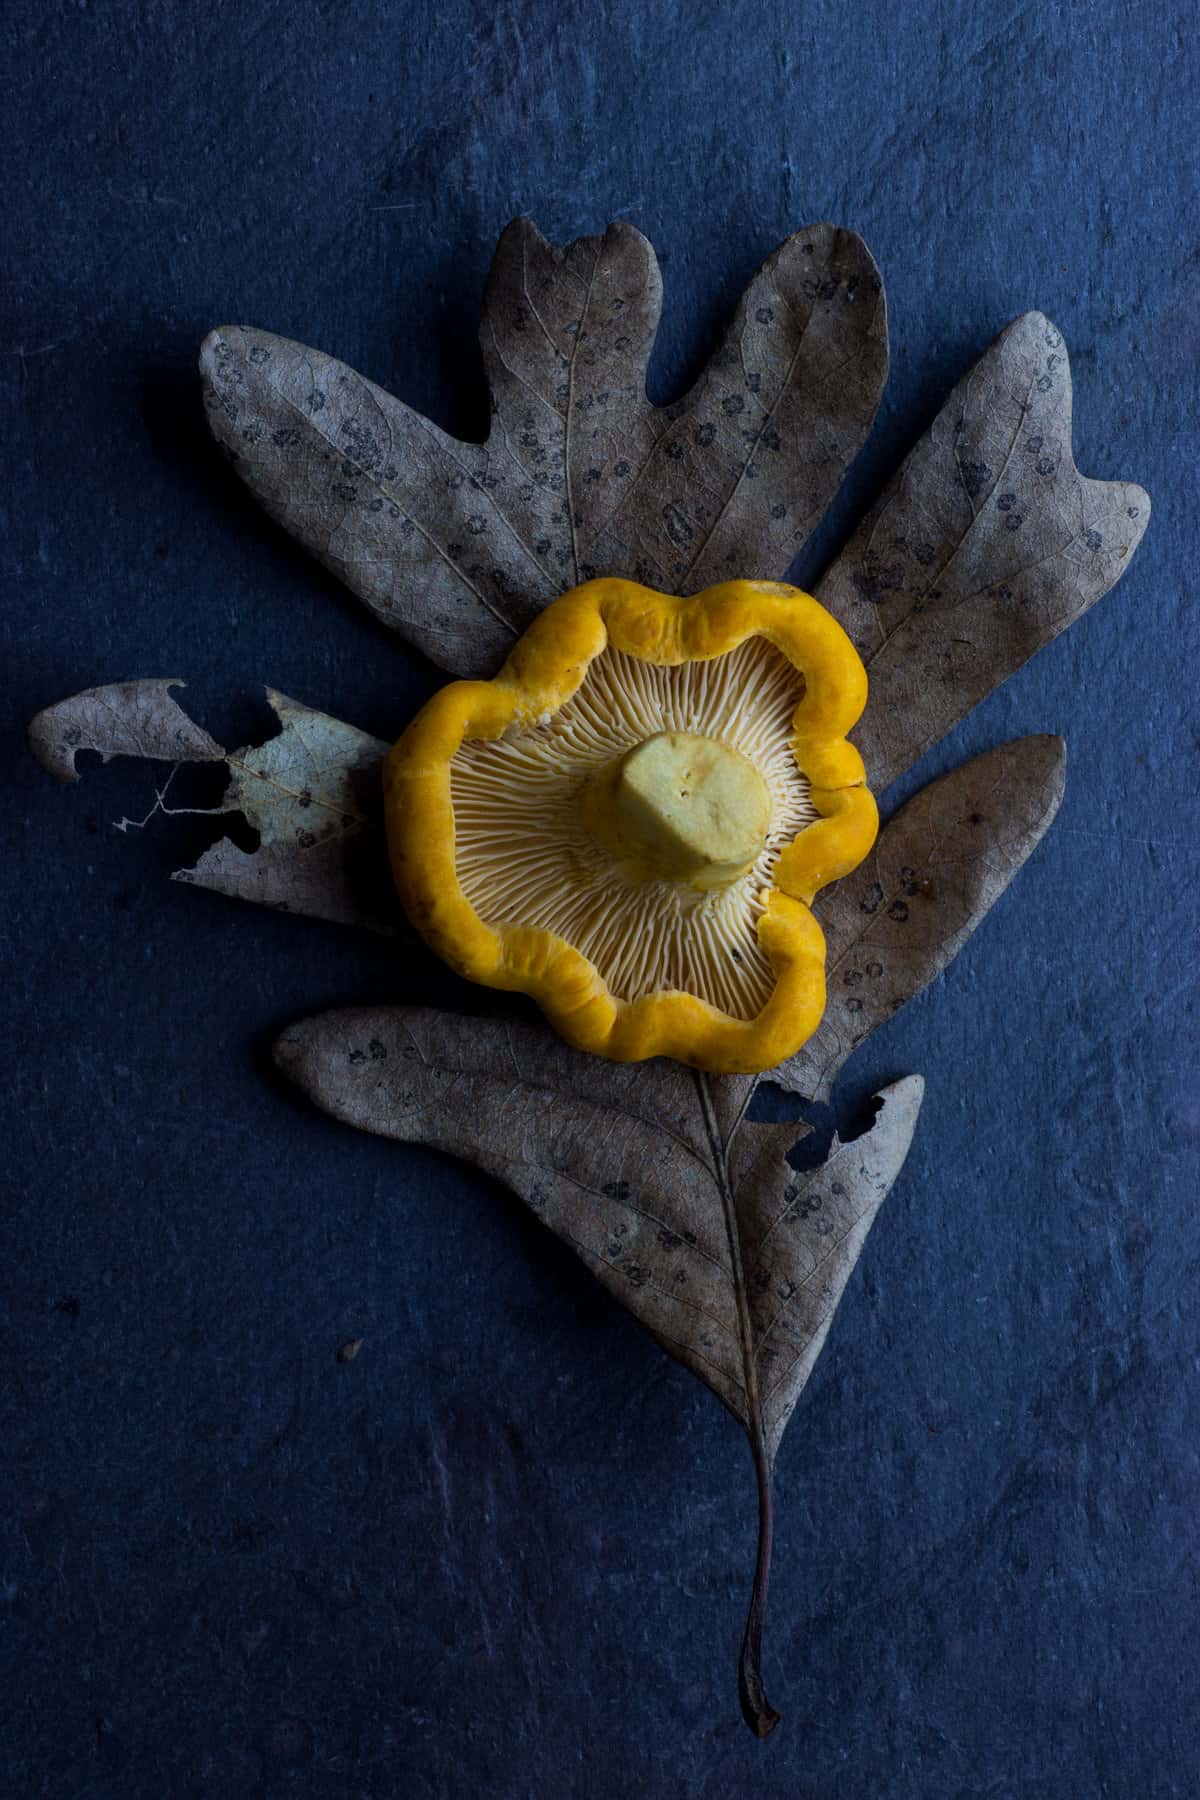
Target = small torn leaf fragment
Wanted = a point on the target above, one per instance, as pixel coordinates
(936, 870)
(313, 794)
(985, 545)
(127, 718)
(729, 1257)
(459, 545)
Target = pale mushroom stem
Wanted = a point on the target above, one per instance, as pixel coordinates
(680, 807)
(757, 1710)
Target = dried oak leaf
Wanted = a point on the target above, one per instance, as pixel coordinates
(986, 544)
(691, 1216)
(459, 545)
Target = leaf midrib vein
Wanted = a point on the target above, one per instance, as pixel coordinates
(720, 1164)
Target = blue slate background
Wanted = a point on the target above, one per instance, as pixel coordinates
(506, 1551)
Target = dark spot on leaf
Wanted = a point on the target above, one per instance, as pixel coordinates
(872, 900)
(678, 529)
(898, 910)
(874, 580)
(975, 476)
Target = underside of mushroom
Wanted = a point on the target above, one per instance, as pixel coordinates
(529, 849)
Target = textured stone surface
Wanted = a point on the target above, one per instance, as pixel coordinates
(504, 1550)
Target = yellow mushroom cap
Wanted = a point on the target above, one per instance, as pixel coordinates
(630, 821)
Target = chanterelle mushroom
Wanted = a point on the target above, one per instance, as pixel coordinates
(630, 822)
